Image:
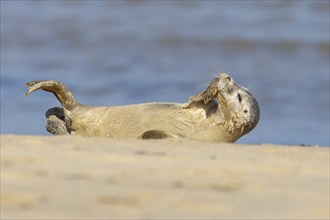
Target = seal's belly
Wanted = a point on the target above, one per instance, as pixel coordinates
(131, 121)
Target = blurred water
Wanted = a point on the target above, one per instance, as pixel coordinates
(124, 52)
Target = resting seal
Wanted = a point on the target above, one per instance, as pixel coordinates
(223, 112)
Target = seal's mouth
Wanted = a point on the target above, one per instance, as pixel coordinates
(223, 100)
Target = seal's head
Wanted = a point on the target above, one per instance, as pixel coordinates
(240, 109)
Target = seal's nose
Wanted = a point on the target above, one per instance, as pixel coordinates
(225, 76)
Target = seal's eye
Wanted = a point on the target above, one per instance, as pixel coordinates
(245, 111)
(239, 97)
(229, 78)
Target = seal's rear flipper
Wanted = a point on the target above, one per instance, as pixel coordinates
(155, 134)
(55, 121)
(61, 92)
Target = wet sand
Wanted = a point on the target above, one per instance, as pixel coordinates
(45, 177)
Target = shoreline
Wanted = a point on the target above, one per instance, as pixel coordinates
(78, 177)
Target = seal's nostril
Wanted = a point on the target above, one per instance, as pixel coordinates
(229, 78)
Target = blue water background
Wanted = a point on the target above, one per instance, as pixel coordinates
(125, 52)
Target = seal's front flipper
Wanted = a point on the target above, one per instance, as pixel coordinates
(205, 97)
(155, 134)
(55, 121)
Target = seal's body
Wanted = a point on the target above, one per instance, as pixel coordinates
(222, 113)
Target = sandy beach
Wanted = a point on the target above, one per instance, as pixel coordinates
(44, 177)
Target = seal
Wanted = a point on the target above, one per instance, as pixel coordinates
(224, 112)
